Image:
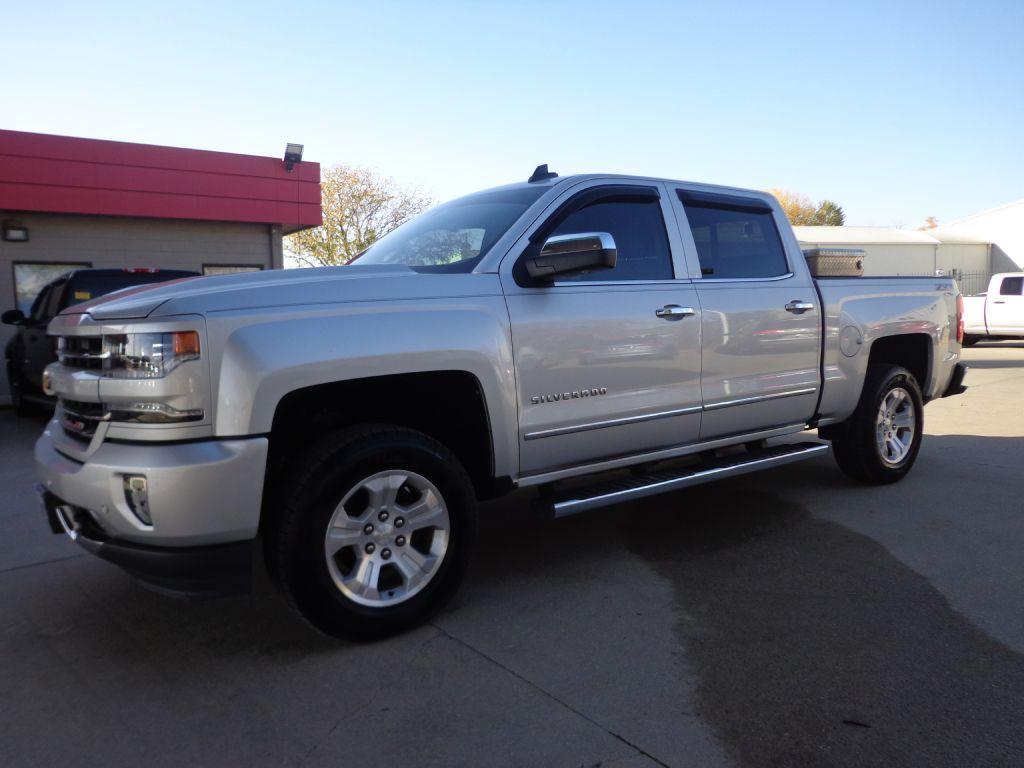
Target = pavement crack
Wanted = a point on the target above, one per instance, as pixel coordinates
(548, 694)
(23, 566)
(373, 698)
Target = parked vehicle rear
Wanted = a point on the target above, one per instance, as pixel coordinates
(997, 313)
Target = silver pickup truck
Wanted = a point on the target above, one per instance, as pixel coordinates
(602, 338)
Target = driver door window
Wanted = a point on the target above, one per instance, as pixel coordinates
(38, 315)
(639, 232)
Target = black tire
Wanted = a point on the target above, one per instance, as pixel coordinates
(311, 490)
(970, 341)
(854, 443)
(17, 384)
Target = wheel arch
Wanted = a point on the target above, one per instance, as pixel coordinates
(912, 351)
(448, 405)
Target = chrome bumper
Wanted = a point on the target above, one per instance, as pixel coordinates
(199, 493)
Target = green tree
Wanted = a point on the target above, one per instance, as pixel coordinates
(802, 211)
(829, 214)
(799, 208)
(359, 207)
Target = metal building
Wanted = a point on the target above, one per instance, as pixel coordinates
(971, 258)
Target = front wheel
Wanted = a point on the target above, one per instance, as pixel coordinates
(879, 443)
(16, 382)
(374, 531)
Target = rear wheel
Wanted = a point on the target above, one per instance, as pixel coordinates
(374, 532)
(879, 443)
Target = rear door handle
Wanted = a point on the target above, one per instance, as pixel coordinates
(998, 302)
(799, 307)
(674, 312)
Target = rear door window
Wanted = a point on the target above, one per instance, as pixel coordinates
(736, 238)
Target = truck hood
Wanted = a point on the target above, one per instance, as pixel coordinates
(281, 287)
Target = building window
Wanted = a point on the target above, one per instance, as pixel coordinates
(230, 269)
(31, 277)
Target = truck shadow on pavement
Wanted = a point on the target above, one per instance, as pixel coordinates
(815, 646)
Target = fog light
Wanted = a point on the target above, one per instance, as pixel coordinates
(136, 495)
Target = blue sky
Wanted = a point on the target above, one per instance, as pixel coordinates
(897, 110)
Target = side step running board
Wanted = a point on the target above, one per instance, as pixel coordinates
(637, 487)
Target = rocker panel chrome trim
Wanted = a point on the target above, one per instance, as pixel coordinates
(759, 398)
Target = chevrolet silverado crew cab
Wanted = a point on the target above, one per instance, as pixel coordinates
(998, 313)
(601, 338)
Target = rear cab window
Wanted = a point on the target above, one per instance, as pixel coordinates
(736, 237)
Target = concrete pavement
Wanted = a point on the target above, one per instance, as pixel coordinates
(785, 618)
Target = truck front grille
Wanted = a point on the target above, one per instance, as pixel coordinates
(80, 419)
(83, 352)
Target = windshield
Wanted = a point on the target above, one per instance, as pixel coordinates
(90, 284)
(453, 237)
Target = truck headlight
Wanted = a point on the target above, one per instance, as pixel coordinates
(148, 355)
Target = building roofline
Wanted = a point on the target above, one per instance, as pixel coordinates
(982, 213)
(44, 173)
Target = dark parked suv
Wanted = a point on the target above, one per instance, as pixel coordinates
(30, 350)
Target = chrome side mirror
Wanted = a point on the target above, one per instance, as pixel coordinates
(570, 254)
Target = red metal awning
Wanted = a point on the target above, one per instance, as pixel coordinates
(62, 174)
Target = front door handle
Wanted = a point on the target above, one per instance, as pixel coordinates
(674, 312)
(799, 307)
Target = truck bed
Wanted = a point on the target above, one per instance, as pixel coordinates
(858, 311)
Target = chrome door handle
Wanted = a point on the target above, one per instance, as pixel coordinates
(799, 307)
(998, 302)
(673, 312)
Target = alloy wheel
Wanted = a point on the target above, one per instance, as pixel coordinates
(387, 538)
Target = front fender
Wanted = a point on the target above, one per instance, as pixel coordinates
(264, 360)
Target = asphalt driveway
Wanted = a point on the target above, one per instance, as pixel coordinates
(786, 618)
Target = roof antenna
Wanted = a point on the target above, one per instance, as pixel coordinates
(541, 173)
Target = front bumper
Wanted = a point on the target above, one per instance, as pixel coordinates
(199, 493)
(216, 570)
(203, 504)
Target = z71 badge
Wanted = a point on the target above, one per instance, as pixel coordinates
(573, 395)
